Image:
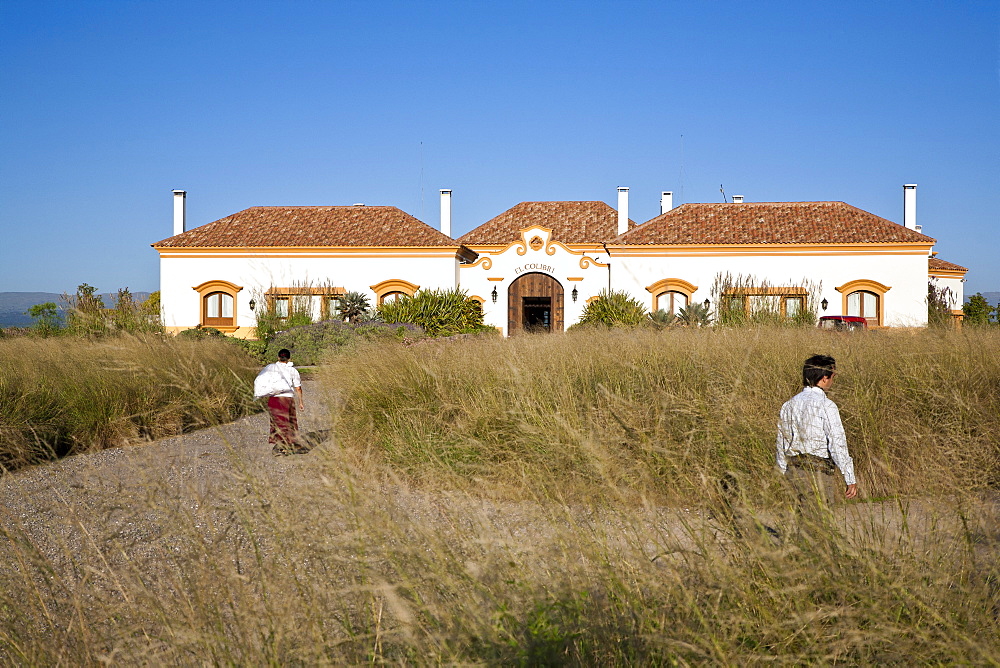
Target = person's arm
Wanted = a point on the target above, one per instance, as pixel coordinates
(297, 384)
(783, 441)
(837, 442)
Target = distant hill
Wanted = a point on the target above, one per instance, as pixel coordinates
(991, 297)
(14, 304)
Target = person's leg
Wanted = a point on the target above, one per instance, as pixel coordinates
(292, 428)
(811, 496)
(282, 436)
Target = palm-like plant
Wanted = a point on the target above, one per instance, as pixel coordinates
(353, 305)
(662, 318)
(694, 315)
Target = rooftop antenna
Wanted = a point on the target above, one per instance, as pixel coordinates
(723, 191)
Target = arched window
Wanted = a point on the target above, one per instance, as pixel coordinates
(865, 298)
(218, 305)
(864, 304)
(671, 294)
(390, 297)
(671, 301)
(385, 290)
(218, 309)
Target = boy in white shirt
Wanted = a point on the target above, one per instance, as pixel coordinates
(811, 442)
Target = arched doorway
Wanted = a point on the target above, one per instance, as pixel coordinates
(535, 304)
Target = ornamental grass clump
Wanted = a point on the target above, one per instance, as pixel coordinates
(662, 411)
(62, 396)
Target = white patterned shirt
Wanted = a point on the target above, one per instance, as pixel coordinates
(810, 424)
(291, 376)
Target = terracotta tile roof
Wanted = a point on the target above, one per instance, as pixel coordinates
(317, 226)
(570, 222)
(943, 265)
(770, 223)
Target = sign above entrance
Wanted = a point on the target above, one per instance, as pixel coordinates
(531, 266)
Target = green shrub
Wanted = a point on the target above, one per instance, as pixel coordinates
(437, 312)
(977, 310)
(47, 319)
(200, 332)
(614, 309)
(310, 343)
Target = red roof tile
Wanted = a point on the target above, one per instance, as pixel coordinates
(570, 222)
(943, 265)
(770, 223)
(312, 226)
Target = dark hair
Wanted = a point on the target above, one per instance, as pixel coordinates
(817, 368)
(284, 354)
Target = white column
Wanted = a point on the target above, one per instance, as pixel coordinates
(622, 210)
(446, 212)
(910, 206)
(180, 215)
(666, 201)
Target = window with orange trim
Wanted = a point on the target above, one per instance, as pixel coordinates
(672, 301)
(218, 309)
(864, 304)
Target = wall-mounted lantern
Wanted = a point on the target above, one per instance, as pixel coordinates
(824, 303)
(494, 294)
(575, 293)
(253, 304)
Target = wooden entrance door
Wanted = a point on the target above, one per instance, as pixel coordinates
(535, 304)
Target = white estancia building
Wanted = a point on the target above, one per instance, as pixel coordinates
(537, 265)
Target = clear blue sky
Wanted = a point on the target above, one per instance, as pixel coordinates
(108, 106)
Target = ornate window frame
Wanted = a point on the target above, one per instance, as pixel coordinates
(865, 285)
(225, 287)
(383, 289)
(671, 285)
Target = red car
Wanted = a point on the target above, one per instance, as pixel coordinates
(842, 322)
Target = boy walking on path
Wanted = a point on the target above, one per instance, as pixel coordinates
(281, 405)
(811, 441)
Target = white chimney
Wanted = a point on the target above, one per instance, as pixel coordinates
(180, 215)
(737, 199)
(910, 206)
(622, 210)
(666, 201)
(446, 212)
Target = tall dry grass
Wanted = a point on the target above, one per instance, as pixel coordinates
(662, 413)
(66, 395)
(385, 546)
